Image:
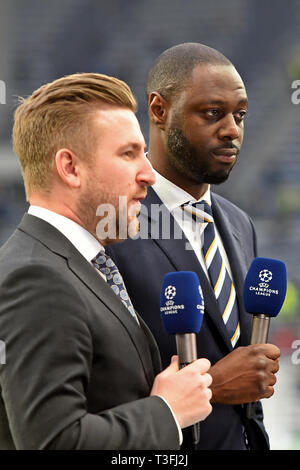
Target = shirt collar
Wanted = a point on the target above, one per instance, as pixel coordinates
(173, 196)
(83, 240)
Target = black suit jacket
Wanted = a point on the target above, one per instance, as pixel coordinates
(143, 264)
(78, 369)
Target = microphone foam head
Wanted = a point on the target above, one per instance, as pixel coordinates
(181, 303)
(265, 286)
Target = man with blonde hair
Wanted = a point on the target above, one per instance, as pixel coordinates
(82, 369)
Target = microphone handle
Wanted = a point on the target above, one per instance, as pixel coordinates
(187, 352)
(260, 328)
(259, 335)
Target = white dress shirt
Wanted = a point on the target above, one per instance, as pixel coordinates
(173, 197)
(86, 244)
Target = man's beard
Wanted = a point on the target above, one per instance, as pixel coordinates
(189, 163)
(105, 217)
(87, 208)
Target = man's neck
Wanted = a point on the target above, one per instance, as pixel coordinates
(55, 206)
(160, 165)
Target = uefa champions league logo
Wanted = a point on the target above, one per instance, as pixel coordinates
(265, 276)
(171, 308)
(170, 292)
(262, 288)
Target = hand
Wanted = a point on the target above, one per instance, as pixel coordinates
(186, 390)
(245, 375)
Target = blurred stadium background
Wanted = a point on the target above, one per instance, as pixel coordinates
(40, 41)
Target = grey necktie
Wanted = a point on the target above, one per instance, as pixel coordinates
(105, 265)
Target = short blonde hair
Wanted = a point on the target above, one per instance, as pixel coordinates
(58, 115)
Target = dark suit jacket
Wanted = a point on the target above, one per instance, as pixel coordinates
(143, 264)
(78, 369)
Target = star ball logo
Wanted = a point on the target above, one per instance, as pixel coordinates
(170, 292)
(265, 276)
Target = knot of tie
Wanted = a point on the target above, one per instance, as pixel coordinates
(200, 211)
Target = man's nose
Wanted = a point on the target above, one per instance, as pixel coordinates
(146, 174)
(229, 129)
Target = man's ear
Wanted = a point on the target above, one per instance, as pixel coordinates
(66, 164)
(158, 109)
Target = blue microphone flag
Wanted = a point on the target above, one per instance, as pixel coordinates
(265, 286)
(181, 303)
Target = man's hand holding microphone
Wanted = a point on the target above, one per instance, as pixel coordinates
(186, 390)
(247, 374)
(185, 383)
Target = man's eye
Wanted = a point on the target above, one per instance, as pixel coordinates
(129, 154)
(213, 112)
(240, 116)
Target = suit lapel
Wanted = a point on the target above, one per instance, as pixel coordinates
(59, 244)
(103, 291)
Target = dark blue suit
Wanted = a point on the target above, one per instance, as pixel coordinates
(144, 263)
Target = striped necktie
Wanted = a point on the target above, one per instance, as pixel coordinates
(218, 274)
(105, 264)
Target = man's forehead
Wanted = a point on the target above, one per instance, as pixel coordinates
(107, 112)
(120, 124)
(116, 119)
(214, 81)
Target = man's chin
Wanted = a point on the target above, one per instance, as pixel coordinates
(218, 179)
(133, 226)
(215, 177)
(132, 229)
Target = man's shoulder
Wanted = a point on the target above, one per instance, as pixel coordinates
(15, 248)
(26, 254)
(30, 271)
(229, 206)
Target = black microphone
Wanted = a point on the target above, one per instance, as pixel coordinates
(182, 309)
(264, 293)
